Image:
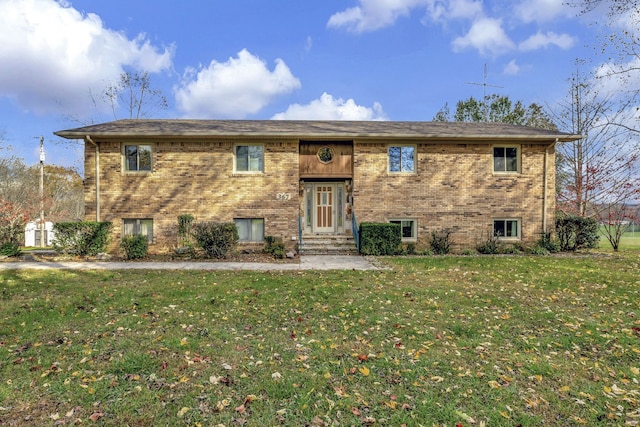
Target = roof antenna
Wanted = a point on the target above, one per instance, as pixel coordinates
(484, 89)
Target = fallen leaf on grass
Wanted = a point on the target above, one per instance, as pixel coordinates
(96, 416)
(183, 411)
(364, 371)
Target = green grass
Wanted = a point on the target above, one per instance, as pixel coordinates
(497, 341)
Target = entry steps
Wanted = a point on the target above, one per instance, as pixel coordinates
(323, 244)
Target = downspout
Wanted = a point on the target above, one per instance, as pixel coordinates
(88, 139)
(546, 181)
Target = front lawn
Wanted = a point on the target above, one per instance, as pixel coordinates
(476, 340)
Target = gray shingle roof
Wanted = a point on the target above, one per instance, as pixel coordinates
(309, 129)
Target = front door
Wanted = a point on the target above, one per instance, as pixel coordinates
(325, 201)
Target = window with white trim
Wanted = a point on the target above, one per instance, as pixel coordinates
(506, 159)
(249, 158)
(250, 229)
(402, 158)
(137, 158)
(508, 229)
(138, 226)
(408, 229)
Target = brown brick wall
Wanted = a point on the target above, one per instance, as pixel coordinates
(454, 188)
(194, 178)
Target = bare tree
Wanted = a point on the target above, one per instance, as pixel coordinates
(600, 172)
(134, 94)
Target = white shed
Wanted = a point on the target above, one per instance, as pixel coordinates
(32, 234)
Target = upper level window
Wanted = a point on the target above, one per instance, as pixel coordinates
(402, 158)
(505, 159)
(132, 227)
(249, 158)
(137, 158)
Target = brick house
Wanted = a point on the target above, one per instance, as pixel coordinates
(301, 180)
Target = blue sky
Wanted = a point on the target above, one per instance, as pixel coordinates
(277, 59)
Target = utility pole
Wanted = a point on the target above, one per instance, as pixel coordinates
(42, 225)
(484, 93)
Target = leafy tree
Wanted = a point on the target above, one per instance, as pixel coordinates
(497, 108)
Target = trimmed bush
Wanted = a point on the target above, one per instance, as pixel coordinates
(440, 242)
(82, 238)
(216, 238)
(380, 238)
(575, 232)
(274, 246)
(135, 247)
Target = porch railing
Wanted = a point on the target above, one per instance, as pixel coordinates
(355, 231)
(299, 233)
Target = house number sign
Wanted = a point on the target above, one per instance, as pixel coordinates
(283, 196)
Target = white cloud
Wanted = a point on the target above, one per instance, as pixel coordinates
(541, 40)
(233, 89)
(544, 10)
(486, 35)
(512, 68)
(372, 15)
(52, 55)
(454, 9)
(329, 108)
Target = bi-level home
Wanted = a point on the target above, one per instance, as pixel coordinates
(302, 179)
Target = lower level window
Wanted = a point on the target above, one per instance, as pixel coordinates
(407, 228)
(250, 229)
(132, 227)
(506, 228)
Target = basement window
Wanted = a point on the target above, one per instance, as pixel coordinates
(408, 229)
(134, 227)
(506, 229)
(250, 229)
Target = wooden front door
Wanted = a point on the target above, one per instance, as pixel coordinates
(325, 197)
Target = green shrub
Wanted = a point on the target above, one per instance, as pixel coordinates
(82, 238)
(380, 238)
(10, 249)
(135, 247)
(440, 242)
(216, 239)
(575, 232)
(274, 246)
(490, 246)
(548, 243)
(468, 252)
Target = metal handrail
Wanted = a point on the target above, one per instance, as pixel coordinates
(355, 231)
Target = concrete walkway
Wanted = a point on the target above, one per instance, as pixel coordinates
(312, 262)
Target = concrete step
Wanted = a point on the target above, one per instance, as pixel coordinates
(328, 245)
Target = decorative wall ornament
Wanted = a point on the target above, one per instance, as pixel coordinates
(325, 154)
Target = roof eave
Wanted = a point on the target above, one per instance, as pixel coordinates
(324, 136)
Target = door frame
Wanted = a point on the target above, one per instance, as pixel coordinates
(309, 207)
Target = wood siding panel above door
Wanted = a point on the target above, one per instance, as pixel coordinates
(341, 166)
